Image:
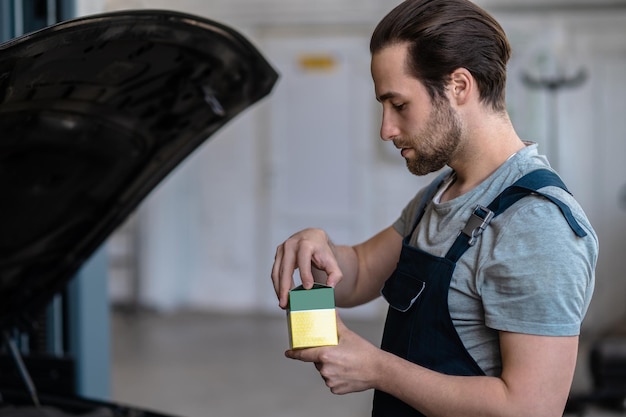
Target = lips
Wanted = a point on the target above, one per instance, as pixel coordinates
(403, 149)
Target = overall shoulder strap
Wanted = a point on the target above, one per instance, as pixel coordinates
(531, 183)
(528, 184)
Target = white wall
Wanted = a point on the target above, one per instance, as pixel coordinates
(84, 8)
(218, 255)
(207, 238)
(269, 12)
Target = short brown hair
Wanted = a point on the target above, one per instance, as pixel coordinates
(444, 35)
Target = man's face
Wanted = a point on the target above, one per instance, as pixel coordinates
(427, 132)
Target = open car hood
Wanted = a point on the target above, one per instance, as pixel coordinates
(94, 113)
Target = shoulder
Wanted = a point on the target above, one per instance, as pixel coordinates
(535, 227)
(536, 274)
(551, 209)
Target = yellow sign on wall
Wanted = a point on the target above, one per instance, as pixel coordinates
(317, 62)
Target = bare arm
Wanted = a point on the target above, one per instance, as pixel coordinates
(535, 381)
(536, 377)
(375, 260)
(360, 270)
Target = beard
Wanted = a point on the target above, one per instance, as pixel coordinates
(436, 144)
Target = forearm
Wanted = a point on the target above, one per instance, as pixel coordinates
(348, 262)
(537, 373)
(359, 284)
(439, 395)
(366, 267)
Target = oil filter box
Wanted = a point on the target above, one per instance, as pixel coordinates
(311, 317)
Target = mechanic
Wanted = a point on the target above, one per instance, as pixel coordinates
(488, 271)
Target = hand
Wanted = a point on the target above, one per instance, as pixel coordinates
(348, 367)
(305, 250)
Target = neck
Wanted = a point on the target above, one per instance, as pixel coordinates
(484, 149)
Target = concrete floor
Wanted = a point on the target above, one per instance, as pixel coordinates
(201, 365)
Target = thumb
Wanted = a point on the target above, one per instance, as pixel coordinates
(334, 275)
(341, 327)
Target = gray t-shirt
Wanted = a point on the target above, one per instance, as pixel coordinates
(528, 272)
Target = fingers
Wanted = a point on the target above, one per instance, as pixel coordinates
(282, 277)
(285, 264)
(294, 254)
(348, 367)
(340, 324)
(306, 250)
(330, 266)
(305, 355)
(321, 359)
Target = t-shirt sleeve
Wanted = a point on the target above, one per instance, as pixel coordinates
(538, 278)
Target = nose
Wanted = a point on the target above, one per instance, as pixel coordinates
(388, 128)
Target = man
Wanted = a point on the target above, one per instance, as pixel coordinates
(488, 271)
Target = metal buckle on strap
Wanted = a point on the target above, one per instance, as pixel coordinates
(477, 223)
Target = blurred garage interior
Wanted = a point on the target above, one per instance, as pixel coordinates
(181, 314)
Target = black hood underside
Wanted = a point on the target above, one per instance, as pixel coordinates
(94, 113)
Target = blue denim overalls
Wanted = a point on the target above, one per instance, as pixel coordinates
(418, 326)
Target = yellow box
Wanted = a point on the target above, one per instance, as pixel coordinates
(311, 317)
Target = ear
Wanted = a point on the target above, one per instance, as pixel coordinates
(462, 85)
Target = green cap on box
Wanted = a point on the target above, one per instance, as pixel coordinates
(322, 298)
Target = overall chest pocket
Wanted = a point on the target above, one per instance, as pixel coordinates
(402, 291)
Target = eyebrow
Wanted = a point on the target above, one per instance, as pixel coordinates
(387, 96)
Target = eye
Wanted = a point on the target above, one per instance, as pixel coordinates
(398, 106)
